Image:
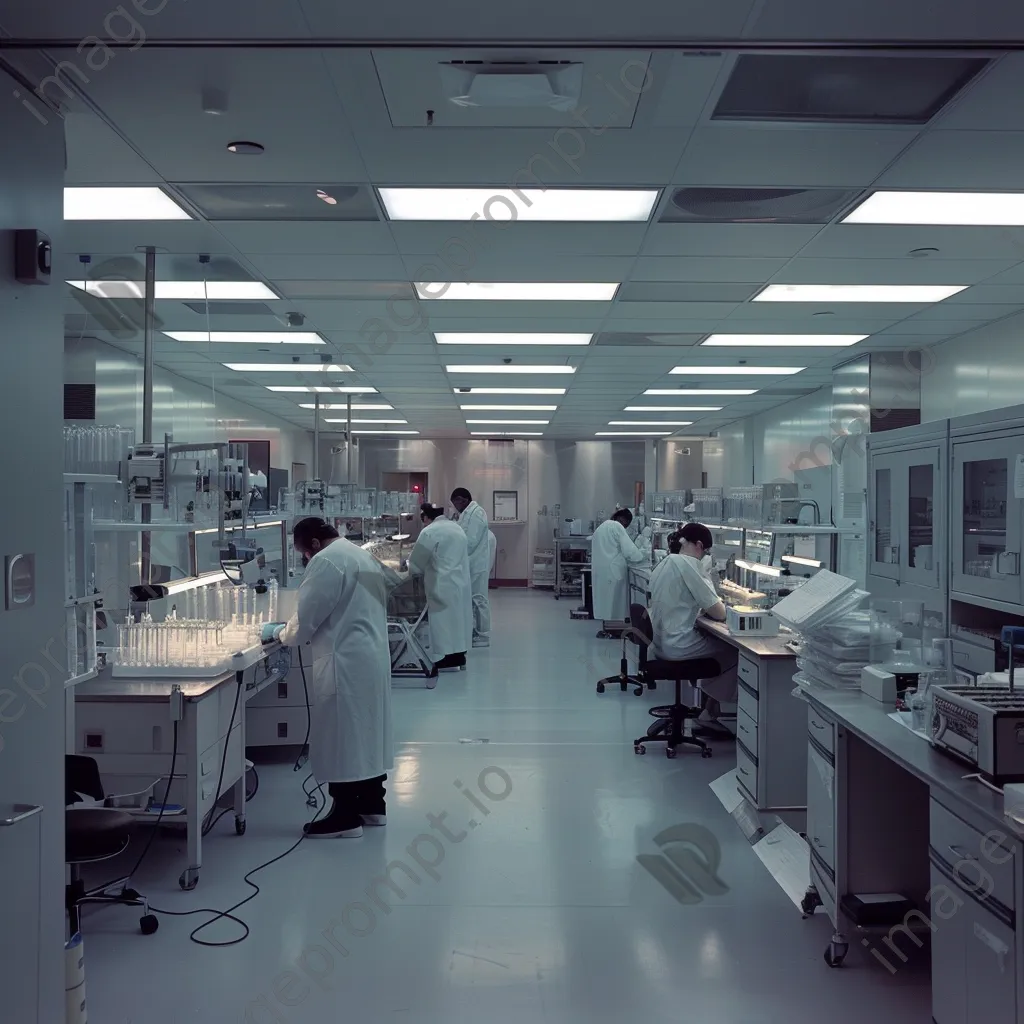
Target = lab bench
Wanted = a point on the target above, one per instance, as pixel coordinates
(568, 570)
(887, 813)
(771, 723)
(127, 725)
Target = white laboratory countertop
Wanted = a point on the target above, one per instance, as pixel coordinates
(869, 721)
(770, 647)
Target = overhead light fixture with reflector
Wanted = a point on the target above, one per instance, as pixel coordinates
(733, 371)
(828, 293)
(250, 337)
(473, 338)
(530, 204)
(516, 291)
(133, 202)
(485, 368)
(782, 340)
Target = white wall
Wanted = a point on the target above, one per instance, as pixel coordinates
(976, 372)
(189, 411)
(32, 730)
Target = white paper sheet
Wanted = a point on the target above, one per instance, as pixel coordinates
(786, 856)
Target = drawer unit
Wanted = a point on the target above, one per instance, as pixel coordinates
(746, 730)
(821, 804)
(746, 771)
(822, 730)
(748, 673)
(748, 702)
(986, 862)
(268, 727)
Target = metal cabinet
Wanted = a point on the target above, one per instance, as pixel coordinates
(908, 485)
(986, 536)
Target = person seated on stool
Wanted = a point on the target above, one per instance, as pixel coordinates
(681, 590)
(441, 557)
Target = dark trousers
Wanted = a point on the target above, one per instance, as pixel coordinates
(351, 799)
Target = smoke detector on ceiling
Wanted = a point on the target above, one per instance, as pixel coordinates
(512, 84)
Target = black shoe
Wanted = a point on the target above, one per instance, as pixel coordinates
(451, 661)
(333, 827)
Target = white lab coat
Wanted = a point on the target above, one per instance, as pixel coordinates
(473, 520)
(611, 552)
(441, 557)
(340, 630)
(680, 590)
(493, 542)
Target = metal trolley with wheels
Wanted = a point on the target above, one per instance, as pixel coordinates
(407, 629)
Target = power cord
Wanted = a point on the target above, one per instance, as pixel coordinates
(303, 757)
(209, 821)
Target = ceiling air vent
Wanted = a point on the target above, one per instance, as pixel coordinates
(315, 201)
(625, 340)
(556, 85)
(79, 401)
(861, 89)
(758, 205)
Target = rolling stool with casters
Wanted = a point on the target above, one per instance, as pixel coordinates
(92, 834)
(637, 632)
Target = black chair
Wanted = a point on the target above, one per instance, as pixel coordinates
(670, 725)
(638, 632)
(93, 834)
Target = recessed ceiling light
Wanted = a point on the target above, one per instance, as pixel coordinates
(917, 293)
(783, 340)
(508, 368)
(289, 367)
(524, 423)
(508, 408)
(672, 408)
(347, 389)
(632, 433)
(957, 208)
(245, 148)
(509, 391)
(335, 406)
(700, 391)
(516, 291)
(736, 371)
(511, 339)
(649, 423)
(552, 204)
(253, 337)
(506, 433)
(129, 203)
(325, 197)
(386, 420)
(184, 290)
(385, 431)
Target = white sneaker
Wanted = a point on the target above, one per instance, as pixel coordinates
(374, 819)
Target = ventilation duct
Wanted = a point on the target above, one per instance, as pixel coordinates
(758, 205)
(498, 85)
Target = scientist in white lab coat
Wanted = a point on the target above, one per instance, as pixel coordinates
(611, 554)
(340, 630)
(441, 557)
(681, 590)
(473, 520)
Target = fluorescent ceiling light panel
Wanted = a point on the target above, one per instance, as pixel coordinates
(783, 340)
(517, 291)
(735, 371)
(252, 337)
(363, 422)
(186, 291)
(506, 433)
(498, 423)
(509, 391)
(334, 406)
(672, 408)
(347, 389)
(385, 431)
(447, 338)
(289, 367)
(502, 368)
(529, 204)
(508, 408)
(112, 203)
(641, 423)
(828, 293)
(632, 433)
(957, 208)
(665, 392)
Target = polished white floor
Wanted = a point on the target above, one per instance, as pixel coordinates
(540, 913)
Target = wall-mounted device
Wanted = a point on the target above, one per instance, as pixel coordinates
(33, 257)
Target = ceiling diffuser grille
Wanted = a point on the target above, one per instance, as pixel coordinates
(758, 205)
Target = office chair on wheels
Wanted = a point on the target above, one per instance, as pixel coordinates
(669, 726)
(638, 632)
(93, 834)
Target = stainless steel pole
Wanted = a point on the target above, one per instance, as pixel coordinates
(316, 437)
(146, 539)
(348, 439)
